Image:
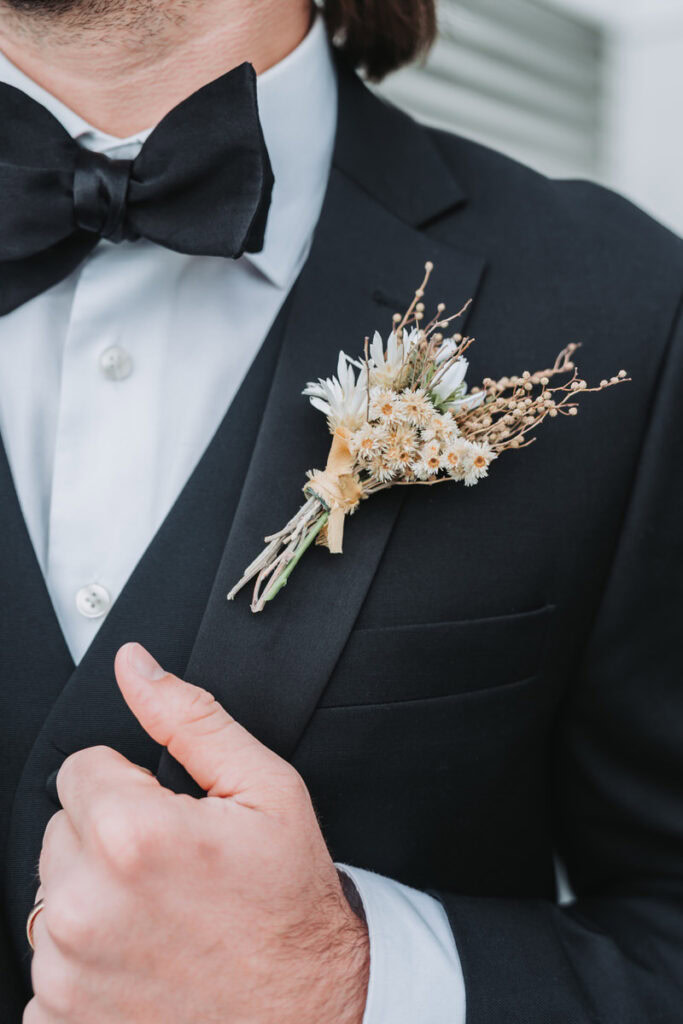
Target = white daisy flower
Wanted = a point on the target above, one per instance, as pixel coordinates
(343, 399)
(392, 455)
(452, 381)
(405, 463)
(468, 402)
(455, 458)
(444, 425)
(446, 350)
(380, 470)
(427, 467)
(446, 382)
(368, 442)
(388, 365)
(441, 428)
(384, 405)
(431, 448)
(401, 452)
(479, 458)
(415, 407)
(406, 437)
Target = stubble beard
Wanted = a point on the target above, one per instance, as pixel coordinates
(137, 21)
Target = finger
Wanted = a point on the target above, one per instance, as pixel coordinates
(32, 920)
(60, 850)
(35, 1014)
(220, 755)
(39, 933)
(89, 776)
(54, 982)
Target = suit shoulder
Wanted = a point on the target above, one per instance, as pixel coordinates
(579, 223)
(495, 178)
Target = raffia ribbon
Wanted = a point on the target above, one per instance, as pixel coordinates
(337, 489)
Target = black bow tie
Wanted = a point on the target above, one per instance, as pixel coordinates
(201, 184)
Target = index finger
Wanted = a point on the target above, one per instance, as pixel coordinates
(90, 776)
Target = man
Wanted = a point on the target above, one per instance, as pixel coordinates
(486, 678)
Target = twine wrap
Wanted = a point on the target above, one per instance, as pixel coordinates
(337, 490)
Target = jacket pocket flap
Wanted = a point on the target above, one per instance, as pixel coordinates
(438, 659)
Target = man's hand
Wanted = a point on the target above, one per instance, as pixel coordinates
(163, 908)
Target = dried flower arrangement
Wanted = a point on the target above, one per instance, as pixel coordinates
(402, 415)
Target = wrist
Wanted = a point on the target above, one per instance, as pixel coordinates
(338, 985)
(352, 968)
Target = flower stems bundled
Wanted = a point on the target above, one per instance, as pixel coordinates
(400, 415)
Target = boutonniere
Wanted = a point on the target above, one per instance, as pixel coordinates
(401, 415)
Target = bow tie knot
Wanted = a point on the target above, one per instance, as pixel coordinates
(100, 193)
(201, 185)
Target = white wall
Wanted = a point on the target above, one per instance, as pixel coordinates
(516, 75)
(587, 88)
(644, 151)
(643, 147)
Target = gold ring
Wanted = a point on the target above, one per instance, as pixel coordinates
(31, 920)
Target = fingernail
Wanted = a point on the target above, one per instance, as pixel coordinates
(142, 662)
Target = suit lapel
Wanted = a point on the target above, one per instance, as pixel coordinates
(34, 659)
(270, 669)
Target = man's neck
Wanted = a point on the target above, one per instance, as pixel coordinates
(124, 69)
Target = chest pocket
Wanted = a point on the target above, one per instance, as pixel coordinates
(441, 659)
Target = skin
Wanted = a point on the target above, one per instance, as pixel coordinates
(163, 909)
(123, 64)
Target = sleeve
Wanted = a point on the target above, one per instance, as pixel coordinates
(615, 955)
(415, 972)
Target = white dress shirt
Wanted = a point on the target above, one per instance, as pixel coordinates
(113, 382)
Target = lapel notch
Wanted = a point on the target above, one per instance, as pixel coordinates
(390, 156)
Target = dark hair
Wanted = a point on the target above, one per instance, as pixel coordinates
(379, 36)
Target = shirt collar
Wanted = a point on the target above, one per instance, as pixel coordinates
(297, 101)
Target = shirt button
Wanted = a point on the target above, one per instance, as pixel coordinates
(93, 601)
(116, 363)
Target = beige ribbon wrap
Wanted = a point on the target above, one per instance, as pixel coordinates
(337, 489)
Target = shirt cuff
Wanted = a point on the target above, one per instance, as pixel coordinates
(415, 971)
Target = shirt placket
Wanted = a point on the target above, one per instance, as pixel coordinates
(105, 434)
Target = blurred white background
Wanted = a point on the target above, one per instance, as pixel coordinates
(576, 88)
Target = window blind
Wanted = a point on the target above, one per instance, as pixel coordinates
(514, 74)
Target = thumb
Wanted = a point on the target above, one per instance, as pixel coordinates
(220, 755)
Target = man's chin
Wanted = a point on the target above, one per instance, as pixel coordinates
(76, 12)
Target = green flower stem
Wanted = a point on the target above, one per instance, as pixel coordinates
(306, 542)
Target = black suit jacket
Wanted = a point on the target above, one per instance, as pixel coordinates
(487, 676)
